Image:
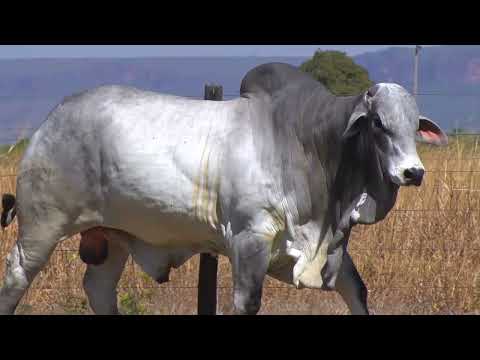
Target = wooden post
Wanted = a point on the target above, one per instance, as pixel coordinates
(207, 278)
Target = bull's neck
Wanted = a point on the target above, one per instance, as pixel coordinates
(342, 161)
(329, 136)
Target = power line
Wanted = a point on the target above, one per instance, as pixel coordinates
(448, 94)
(354, 250)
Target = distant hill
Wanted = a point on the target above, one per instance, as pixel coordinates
(30, 88)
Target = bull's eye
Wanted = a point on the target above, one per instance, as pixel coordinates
(377, 122)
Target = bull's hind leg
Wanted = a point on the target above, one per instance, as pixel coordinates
(29, 255)
(100, 281)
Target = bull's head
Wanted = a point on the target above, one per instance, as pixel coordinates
(389, 119)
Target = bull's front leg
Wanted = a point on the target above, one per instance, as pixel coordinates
(249, 258)
(351, 287)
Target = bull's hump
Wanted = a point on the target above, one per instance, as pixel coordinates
(274, 77)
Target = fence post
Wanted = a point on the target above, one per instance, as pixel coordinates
(207, 278)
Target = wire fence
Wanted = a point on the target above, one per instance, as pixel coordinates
(423, 212)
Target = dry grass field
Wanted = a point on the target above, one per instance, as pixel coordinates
(423, 259)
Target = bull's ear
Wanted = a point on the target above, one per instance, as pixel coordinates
(430, 133)
(354, 124)
(359, 114)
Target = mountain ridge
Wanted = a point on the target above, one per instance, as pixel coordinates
(449, 76)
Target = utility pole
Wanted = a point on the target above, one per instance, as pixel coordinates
(415, 70)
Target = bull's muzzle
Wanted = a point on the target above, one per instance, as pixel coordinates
(414, 176)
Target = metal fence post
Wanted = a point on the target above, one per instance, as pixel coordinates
(207, 278)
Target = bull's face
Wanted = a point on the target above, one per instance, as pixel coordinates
(390, 120)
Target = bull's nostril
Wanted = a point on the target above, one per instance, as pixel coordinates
(414, 174)
(408, 173)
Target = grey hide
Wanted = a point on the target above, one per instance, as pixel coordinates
(274, 180)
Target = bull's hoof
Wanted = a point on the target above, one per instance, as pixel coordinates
(93, 247)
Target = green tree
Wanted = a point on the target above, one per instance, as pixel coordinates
(338, 72)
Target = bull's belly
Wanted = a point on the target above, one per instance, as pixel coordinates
(174, 232)
(162, 223)
(166, 211)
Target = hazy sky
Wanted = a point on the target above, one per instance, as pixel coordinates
(42, 51)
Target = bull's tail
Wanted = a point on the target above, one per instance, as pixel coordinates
(9, 210)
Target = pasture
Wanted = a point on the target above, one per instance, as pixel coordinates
(422, 259)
